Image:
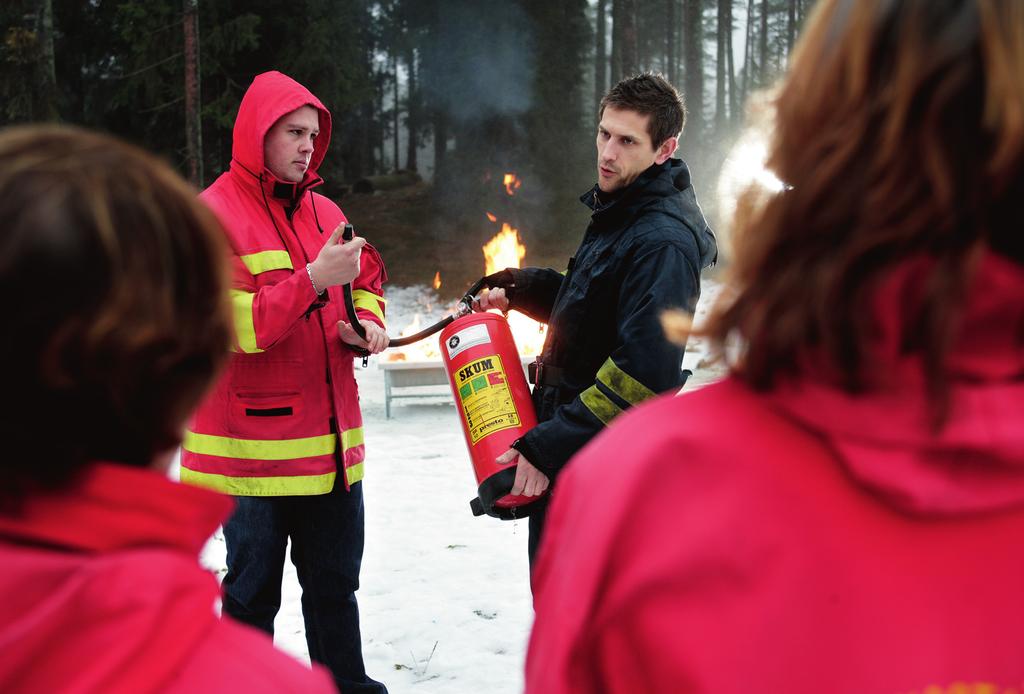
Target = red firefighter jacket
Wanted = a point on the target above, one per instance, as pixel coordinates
(803, 540)
(103, 593)
(288, 402)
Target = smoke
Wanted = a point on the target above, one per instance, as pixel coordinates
(478, 60)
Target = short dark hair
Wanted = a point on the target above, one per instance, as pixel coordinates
(113, 288)
(650, 94)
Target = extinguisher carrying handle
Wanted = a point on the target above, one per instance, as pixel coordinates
(494, 488)
(503, 279)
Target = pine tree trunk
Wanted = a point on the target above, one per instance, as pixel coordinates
(734, 111)
(721, 35)
(440, 140)
(600, 57)
(790, 28)
(394, 63)
(193, 105)
(628, 53)
(763, 49)
(694, 66)
(615, 68)
(412, 112)
(670, 42)
(748, 59)
(44, 92)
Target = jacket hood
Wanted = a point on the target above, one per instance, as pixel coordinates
(883, 437)
(270, 96)
(109, 596)
(665, 188)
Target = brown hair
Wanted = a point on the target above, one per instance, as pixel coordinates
(899, 134)
(114, 292)
(651, 95)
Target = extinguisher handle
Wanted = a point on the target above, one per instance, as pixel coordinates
(502, 278)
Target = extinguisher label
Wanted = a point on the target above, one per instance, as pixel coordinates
(484, 398)
(464, 339)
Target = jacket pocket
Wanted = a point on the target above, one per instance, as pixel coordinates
(255, 415)
(265, 397)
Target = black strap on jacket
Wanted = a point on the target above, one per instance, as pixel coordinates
(542, 374)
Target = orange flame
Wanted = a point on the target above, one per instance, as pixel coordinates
(512, 183)
(437, 280)
(504, 250)
(491, 217)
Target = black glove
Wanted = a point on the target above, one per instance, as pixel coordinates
(506, 279)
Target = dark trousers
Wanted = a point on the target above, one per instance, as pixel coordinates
(327, 550)
(537, 516)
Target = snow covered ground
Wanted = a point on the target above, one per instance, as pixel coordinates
(445, 600)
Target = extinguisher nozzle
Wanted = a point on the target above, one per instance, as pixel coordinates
(476, 506)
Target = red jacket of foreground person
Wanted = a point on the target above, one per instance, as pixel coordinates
(102, 592)
(805, 540)
(288, 402)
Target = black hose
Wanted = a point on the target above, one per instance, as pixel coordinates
(350, 308)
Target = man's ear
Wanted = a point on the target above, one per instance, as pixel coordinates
(667, 149)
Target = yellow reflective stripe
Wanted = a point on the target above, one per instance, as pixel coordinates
(350, 438)
(259, 449)
(267, 260)
(245, 329)
(600, 404)
(354, 474)
(368, 300)
(300, 485)
(622, 384)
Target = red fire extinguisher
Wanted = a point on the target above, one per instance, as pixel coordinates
(494, 406)
(490, 391)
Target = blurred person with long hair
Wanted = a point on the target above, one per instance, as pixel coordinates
(843, 513)
(114, 294)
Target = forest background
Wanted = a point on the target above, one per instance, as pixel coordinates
(459, 92)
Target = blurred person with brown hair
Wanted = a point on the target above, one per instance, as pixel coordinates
(844, 513)
(116, 321)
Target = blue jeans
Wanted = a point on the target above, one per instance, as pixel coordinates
(327, 549)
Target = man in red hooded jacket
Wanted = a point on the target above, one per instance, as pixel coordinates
(282, 429)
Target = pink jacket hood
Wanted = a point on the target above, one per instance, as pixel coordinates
(975, 463)
(270, 96)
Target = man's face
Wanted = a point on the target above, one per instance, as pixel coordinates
(624, 148)
(288, 146)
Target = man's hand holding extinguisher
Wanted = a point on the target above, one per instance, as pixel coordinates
(529, 480)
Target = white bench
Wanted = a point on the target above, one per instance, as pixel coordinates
(418, 379)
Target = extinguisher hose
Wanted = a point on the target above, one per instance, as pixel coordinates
(465, 306)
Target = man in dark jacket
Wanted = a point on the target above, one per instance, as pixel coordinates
(641, 254)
